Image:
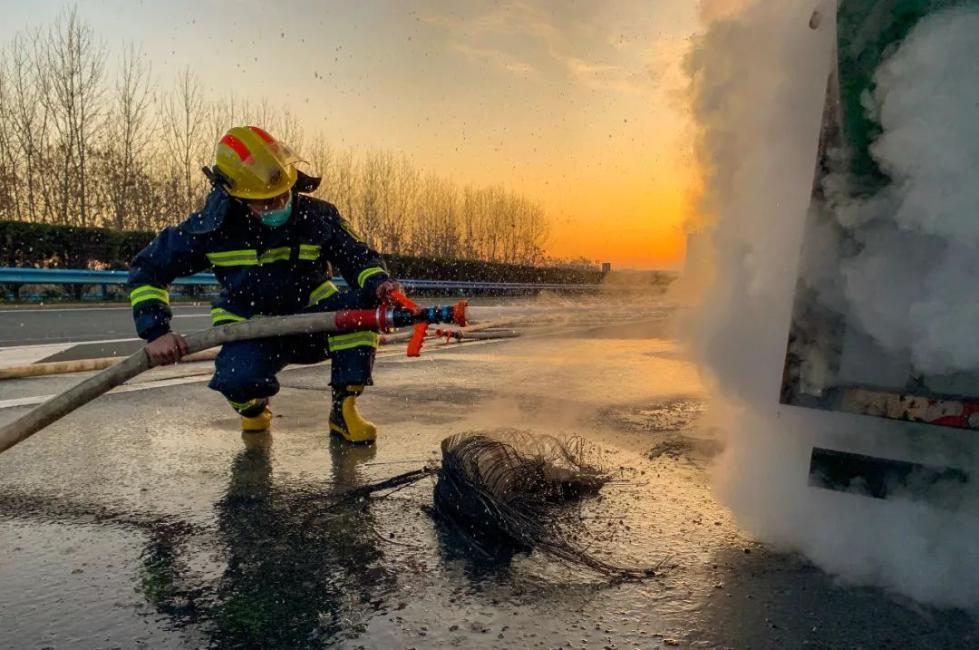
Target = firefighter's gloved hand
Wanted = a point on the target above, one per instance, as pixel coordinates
(167, 349)
(386, 288)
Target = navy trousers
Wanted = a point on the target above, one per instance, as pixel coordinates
(245, 370)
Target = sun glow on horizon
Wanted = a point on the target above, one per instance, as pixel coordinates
(575, 105)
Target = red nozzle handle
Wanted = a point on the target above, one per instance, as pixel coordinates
(421, 329)
(417, 339)
(405, 301)
(459, 313)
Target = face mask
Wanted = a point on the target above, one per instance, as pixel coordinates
(275, 218)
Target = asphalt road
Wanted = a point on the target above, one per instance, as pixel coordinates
(142, 520)
(40, 325)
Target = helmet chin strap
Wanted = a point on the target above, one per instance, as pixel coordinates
(217, 177)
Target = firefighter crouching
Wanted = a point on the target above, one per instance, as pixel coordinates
(271, 246)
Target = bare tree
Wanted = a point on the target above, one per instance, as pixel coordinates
(285, 127)
(128, 132)
(374, 190)
(388, 191)
(8, 159)
(78, 148)
(339, 173)
(475, 216)
(75, 61)
(224, 113)
(320, 156)
(397, 223)
(262, 114)
(437, 219)
(232, 110)
(26, 113)
(528, 233)
(493, 223)
(183, 134)
(345, 180)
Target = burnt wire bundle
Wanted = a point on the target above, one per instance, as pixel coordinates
(515, 488)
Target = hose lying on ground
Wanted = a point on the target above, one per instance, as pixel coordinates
(458, 336)
(83, 365)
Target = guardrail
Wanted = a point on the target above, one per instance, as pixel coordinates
(14, 275)
(81, 277)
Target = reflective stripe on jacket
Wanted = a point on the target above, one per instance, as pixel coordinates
(261, 270)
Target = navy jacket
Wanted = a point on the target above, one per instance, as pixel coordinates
(261, 270)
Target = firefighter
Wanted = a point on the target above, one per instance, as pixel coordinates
(271, 246)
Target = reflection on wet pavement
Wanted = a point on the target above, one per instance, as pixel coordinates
(295, 571)
(145, 520)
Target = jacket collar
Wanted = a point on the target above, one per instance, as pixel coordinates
(219, 205)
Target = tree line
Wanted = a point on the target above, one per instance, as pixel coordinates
(83, 143)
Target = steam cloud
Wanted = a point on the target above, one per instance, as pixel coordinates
(922, 228)
(758, 78)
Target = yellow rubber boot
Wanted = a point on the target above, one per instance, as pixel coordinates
(345, 421)
(258, 423)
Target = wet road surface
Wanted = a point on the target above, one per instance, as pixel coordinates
(143, 520)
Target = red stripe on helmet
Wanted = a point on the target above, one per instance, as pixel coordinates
(262, 134)
(238, 147)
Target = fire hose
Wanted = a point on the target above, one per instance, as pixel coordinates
(46, 368)
(402, 313)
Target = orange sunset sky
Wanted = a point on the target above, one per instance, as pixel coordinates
(577, 105)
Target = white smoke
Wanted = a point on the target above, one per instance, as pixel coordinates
(913, 288)
(758, 79)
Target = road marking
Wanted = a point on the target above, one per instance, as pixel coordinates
(53, 341)
(65, 343)
(22, 355)
(127, 388)
(55, 310)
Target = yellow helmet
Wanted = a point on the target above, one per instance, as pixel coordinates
(253, 164)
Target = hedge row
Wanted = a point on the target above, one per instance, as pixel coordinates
(64, 247)
(47, 246)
